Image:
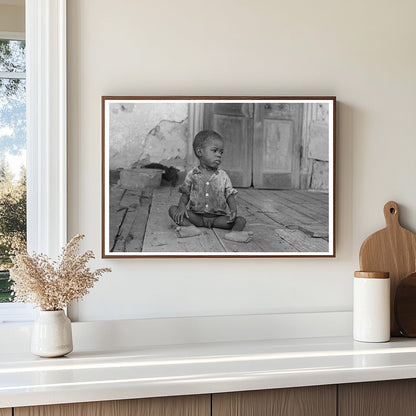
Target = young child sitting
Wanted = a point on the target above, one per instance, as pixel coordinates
(209, 193)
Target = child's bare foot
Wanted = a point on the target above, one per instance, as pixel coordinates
(190, 231)
(239, 236)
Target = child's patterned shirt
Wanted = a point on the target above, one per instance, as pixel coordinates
(208, 196)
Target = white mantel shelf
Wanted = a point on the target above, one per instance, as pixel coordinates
(151, 371)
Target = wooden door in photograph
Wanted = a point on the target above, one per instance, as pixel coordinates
(234, 121)
(276, 146)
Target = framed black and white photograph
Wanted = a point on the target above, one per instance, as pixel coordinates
(218, 176)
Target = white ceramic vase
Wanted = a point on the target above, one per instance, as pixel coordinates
(52, 334)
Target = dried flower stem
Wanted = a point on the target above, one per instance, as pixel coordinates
(53, 285)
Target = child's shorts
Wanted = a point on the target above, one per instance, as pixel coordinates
(208, 219)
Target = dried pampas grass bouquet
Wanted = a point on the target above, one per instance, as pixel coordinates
(53, 285)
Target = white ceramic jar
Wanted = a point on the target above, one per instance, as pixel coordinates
(371, 306)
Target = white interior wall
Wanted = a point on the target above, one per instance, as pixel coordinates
(12, 17)
(361, 52)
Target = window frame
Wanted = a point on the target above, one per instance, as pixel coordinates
(12, 35)
(10, 312)
(46, 121)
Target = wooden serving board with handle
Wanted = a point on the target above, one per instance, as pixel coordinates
(393, 250)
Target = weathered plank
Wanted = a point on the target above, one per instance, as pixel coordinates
(263, 239)
(262, 200)
(316, 195)
(135, 240)
(271, 205)
(316, 206)
(305, 202)
(133, 225)
(124, 234)
(301, 241)
(315, 230)
(130, 199)
(290, 215)
(160, 233)
(295, 204)
(116, 194)
(116, 214)
(116, 219)
(315, 210)
(288, 196)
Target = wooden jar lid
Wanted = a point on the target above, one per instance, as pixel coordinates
(372, 275)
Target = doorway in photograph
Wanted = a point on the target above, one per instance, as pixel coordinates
(278, 154)
(264, 142)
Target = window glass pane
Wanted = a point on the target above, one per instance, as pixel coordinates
(12, 56)
(12, 164)
(13, 121)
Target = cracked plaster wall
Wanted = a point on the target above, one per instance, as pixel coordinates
(148, 133)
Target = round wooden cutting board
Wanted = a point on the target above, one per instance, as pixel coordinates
(392, 250)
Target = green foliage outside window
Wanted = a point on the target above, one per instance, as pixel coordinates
(12, 224)
(12, 146)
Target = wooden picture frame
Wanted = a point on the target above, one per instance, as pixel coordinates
(278, 153)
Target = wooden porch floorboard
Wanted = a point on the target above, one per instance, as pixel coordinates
(282, 221)
(160, 233)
